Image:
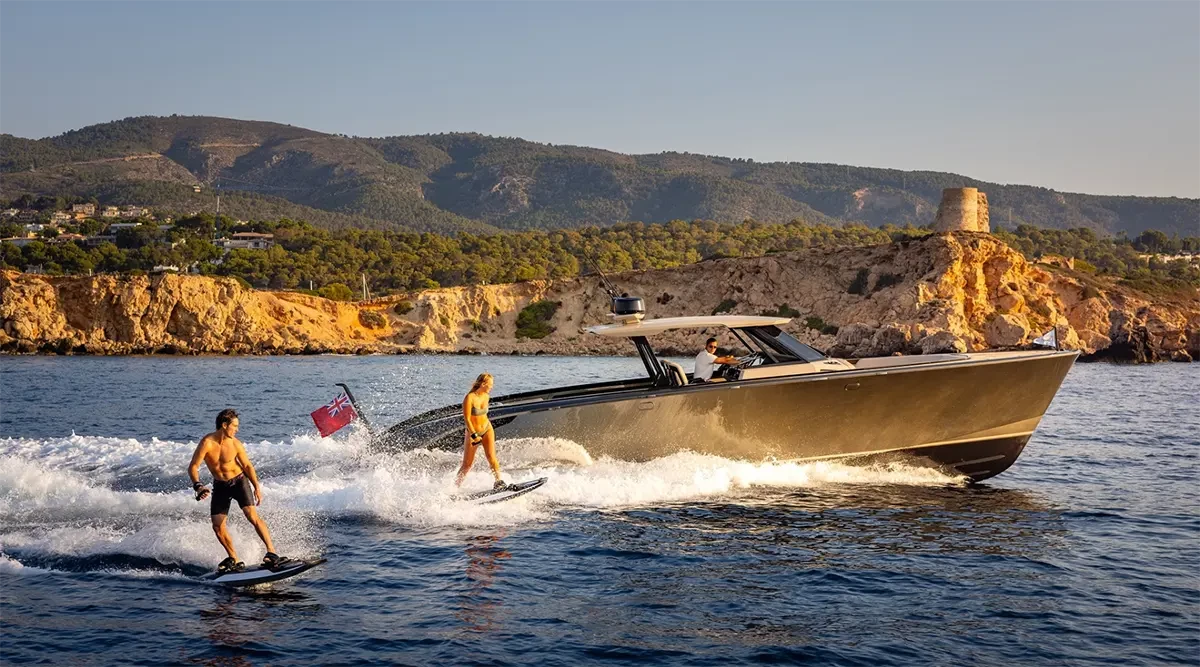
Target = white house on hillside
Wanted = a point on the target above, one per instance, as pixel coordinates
(247, 241)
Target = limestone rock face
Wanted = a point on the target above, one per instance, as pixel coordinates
(942, 341)
(1006, 331)
(890, 339)
(942, 293)
(852, 338)
(110, 315)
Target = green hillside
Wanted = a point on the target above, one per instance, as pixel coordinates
(452, 182)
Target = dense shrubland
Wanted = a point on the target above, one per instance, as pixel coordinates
(305, 256)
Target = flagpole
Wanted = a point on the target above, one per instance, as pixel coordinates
(357, 410)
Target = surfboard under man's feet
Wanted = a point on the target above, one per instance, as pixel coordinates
(273, 561)
(258, 574)
(230, 565)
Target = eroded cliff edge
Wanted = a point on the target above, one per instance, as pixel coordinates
(959, 291)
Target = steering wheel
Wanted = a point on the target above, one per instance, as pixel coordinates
(752, 359)
(730, 371)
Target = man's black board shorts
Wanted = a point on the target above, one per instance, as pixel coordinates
(238, 489)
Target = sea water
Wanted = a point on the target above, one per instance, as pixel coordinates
(1085, 552)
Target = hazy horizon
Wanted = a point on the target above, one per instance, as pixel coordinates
(1088, 98)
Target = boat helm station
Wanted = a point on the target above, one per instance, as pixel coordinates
(772, 352)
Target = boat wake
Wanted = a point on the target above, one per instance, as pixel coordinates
(86, 503)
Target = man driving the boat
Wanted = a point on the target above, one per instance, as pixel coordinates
(233, 479)
(707, 361)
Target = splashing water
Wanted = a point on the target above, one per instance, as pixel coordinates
(86, 498)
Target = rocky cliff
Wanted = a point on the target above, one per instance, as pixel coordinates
(174, 314)
(960, 291)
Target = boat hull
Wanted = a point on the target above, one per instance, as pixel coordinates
(971, 417)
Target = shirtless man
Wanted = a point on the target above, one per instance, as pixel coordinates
(233, 476)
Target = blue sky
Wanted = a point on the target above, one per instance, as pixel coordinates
(1083, 96)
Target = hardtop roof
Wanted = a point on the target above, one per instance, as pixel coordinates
(663, 324)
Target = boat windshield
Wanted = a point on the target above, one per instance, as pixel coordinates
(780, 346)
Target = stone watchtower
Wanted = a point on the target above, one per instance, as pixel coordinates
(962, 208)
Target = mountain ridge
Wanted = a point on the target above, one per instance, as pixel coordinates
(451, 182)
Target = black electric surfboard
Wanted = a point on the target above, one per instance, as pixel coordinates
(258, 574)
(507, 493)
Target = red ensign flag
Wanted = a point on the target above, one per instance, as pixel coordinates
(329, 418)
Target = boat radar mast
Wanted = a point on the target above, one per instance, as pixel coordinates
(625, 309)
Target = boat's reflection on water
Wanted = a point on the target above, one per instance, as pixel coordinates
(846, 523)
(799, 567)
(840, 521)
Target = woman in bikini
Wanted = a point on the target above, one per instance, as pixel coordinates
(479, 429)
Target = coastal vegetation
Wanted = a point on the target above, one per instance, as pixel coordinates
(782, 310)
(817, 324)
(534, 320)
(724, 307)
(394, 262)
(1152, 262)
(859, 284)
(398, 261)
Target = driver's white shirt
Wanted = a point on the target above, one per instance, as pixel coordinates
(705, 364)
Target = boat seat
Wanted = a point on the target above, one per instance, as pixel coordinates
(675, 372)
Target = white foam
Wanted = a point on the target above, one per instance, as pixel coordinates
(60, 513)
(12, 566)
(527, 451)
(416, 488)
(691, 476)
(176, 541)
(56, 496)
(29, 491)
(107, 458)
(165, 541)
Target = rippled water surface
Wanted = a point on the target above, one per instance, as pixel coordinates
(1085, 552)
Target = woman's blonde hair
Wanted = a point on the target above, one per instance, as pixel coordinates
(479, 381)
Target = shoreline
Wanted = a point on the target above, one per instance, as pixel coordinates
(1096, 358)
(954, 292)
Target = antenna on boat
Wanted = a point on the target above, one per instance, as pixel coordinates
(604, 281)
(625, 309)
